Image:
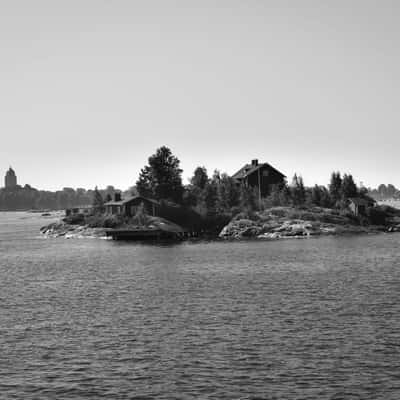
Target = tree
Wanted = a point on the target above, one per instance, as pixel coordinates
(298, 190)
(316, 195)
(320, 196)
(382, 189)
(278, 196)
(193, 194)
(200, 178)
(391, 190)
(249, 198)
(145, 184)
(161, 178)
(335, 187)
(348, 188)
(98, 202)
(228, 193)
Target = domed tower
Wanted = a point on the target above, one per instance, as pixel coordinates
(10, 179)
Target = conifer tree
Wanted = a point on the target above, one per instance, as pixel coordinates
(335, 187)
(200, 178)
(298, 190)
(161, 178)
(228, 193)
(348, 188)
(98, 202)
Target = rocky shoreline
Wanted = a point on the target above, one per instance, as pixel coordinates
(246, 229)
(286, 222)
(68, 231)
(275, 223)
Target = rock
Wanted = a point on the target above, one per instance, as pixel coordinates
(241, 228)
(269, 227)
(250, 232)
(61, 229)
(269, 235)
(394, 228)
(329, 230)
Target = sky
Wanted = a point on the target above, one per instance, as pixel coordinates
(89, 89)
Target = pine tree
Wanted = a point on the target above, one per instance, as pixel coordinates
(298, 190)
(335, 187)
(200, 178)
(348, 188)
(248, 198)
(316, 195)
(161, 178)
(98, 202)
(228, 193)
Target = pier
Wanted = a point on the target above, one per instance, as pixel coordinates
(145, 234)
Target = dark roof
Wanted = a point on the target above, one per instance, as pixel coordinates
(359, 201)
(129, 199)
(249, 169)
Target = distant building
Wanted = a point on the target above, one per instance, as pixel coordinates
(260, 176)
(128, 207)
(359, 206)
(10, 179)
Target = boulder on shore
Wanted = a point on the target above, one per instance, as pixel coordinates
(61, 229)
(286, 228)
(290, 228)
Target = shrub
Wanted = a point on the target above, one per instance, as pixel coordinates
(376, 216)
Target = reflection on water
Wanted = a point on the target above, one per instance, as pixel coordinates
(296, 319)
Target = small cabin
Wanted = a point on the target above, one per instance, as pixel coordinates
(359, 206)
(128, 207)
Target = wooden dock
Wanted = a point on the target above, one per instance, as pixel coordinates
(142, 234)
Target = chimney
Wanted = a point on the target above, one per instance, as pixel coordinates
(254, 162)
(117, 196)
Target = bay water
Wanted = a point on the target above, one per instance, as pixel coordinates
(291, 319)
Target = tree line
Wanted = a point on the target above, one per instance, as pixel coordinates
(29, 198)
(220, 194)
(383, 192)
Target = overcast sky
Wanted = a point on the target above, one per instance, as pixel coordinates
(90, 89)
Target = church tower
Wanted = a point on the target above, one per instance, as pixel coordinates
(10, 179)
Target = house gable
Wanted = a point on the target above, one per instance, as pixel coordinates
(259, 175)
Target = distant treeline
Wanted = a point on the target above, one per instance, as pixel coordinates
(29, 198)
(384, 192)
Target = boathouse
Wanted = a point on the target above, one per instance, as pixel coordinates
(359, 206)
(128, 207)
(259, 175)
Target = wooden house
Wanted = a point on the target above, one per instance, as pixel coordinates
(128, 207)
(359, 206)
(260, 176)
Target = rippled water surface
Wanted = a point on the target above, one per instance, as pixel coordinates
(295, 319)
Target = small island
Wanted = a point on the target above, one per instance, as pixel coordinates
(255, 202)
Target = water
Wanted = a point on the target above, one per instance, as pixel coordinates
(295, 319)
